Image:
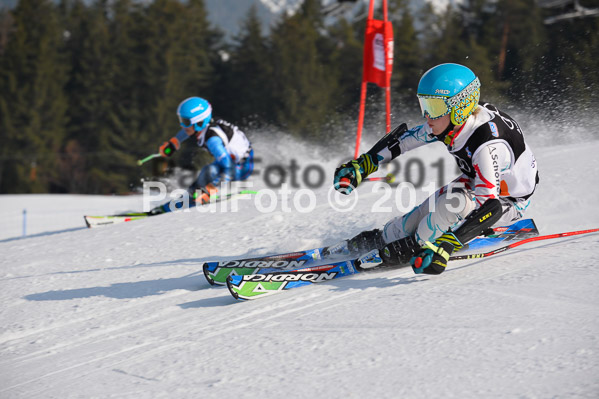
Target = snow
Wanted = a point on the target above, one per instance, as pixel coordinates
(125, 312)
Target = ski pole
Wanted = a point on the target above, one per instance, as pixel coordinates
(390, 178)
(239, 193)
(518, 243)
(146, 159)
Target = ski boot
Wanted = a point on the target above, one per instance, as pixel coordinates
(396, 253)
(202, 196)
(399, 253)
(363, 242)
(159, 210)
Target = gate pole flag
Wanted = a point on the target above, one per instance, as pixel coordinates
(378, 63)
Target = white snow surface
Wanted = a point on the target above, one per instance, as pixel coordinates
(125, 312)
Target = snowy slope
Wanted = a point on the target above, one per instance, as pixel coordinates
(124, 311)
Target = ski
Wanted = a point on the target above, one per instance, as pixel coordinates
(216, 272)
(251, 286)
(248, 287)
(97, 221)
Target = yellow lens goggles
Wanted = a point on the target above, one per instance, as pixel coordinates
(434, 107)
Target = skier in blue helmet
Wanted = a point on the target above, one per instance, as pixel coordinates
(499, 173)
(232, 151)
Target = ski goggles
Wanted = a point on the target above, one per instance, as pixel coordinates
(185, 122)
(434, 107)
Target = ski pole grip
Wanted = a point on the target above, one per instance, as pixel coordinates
(146, 159)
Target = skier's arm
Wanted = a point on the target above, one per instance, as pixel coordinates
(349, 175)
(181, 136)
(400, 141)
(222, 158)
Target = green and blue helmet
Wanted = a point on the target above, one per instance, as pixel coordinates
(449, 89)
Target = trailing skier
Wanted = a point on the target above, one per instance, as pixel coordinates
(232, 151)
(499, 173)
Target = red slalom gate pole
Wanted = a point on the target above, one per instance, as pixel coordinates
(377, 64)
(361, 118)
(363, 91)
(525, 241)
(387, 73)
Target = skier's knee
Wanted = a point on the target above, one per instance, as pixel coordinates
(454, 206)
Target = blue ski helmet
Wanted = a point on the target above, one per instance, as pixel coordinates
(194, 111)
(449, 89)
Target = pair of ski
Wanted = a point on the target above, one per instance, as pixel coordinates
(256, 277)
(97, 221)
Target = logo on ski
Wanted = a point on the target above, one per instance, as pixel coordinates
(277, 264)
(290, 277)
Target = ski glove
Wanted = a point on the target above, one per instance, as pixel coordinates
(433, 257)
(169, 147)
(349, 175)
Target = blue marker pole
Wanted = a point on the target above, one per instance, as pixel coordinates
(24, 222)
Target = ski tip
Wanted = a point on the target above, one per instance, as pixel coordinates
(207, 274)
(535, 229)
(231, 290)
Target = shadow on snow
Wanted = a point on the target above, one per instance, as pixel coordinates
(130, 290)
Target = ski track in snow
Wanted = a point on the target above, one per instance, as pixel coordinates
(125, 312)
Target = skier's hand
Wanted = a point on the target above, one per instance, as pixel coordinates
(349, 175)
(432, 258)
(169, 147)
(345, 179)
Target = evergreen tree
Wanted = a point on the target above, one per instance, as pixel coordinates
(179, 64)
(457, 41)
(346, 60)
(522, 46)
(567, 79)
(302, 89)
(6, 27)
(407, 67)
(85, 89)
(32, 100)
(249, 80)
(91, 109)
(128, 94)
